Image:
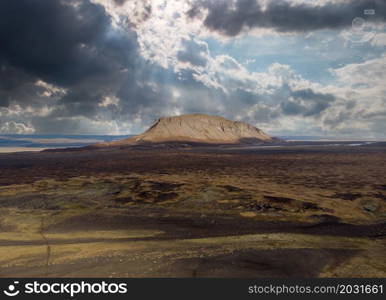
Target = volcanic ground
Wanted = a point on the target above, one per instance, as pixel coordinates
(290, 211)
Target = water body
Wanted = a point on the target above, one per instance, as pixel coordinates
(17, 142)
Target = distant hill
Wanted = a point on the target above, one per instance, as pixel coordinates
(196, 128)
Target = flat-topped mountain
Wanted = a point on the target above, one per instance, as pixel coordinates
(196, 128)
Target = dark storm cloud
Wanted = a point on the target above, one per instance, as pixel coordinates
(309, 94)
(11, 79)
(307, 103)
(58, 41)
(230, 18)
(72, 45)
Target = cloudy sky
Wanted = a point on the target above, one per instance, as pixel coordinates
(291, 67)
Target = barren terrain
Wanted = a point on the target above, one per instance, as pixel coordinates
(293, 211)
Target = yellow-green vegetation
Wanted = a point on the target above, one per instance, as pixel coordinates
(229, 195)
(140, 252)
(167, 225)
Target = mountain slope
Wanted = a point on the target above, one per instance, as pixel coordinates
(197, 128)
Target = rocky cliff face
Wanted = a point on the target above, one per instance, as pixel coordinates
(197, 128)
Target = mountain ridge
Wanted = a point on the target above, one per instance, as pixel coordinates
(196, 128)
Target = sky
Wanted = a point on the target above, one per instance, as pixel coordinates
(289, 67)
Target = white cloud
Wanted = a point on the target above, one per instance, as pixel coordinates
(369, 75)
(50, 90)
(362, 98)
(109, 100)
(12, 127)
(379, 40)
(27, 111)
(223, 80)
